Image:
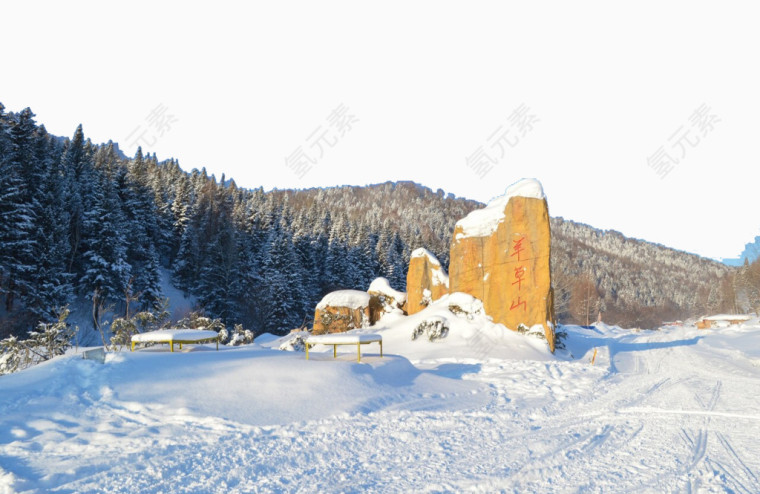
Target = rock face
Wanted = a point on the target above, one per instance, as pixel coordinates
(500, 254)
(383, 299)
(426, 281)
(341, 311)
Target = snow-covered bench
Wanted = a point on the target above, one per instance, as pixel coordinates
(180, 336)
(344, 339)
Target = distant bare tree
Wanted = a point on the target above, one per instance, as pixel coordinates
(746, 286)
(585, 301)
(561, 283)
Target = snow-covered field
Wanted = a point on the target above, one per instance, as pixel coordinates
(675, 410)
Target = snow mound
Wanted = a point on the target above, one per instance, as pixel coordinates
(483, 222)
(471, 334)
(265, 338)
(353, 299)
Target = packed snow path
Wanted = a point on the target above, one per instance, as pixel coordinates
(670, 411)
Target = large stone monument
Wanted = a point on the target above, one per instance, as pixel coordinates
(501, 255)
(426, 281)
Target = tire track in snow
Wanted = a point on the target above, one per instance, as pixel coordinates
(658, 387)
(698, 446)
(576, 449)
(736, 458)
(710, 405)
(574, 462)
(715, 395)
(738, 485)
(699, 443)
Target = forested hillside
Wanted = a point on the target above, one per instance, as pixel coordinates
(632, 282)
(80, 222)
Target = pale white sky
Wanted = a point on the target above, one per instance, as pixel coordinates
(239, 87)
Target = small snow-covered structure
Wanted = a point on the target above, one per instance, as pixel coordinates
(501, 255)
(384, 299)
(342, 310)
(426, 281)
(722, 321)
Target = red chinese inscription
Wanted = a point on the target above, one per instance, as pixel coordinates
(519, 275)
(520, 272)
(518, 247)
(517, 303)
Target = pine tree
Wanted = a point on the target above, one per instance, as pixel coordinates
(142, 227)
(220, 260)
(282, 276)
(19, 210)
(392, 260)
(51, 279)
(105, 270)
(76, 166)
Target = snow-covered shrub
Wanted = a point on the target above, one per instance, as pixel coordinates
(10, 355)
(434, 328)
(122, 331)
(44, 343)
(195, 320)
(224, 335)
(146, 321)
(295, 343)
(537, 331)
(240, 336)
(51, 340)
(462, 304)
(560, 335)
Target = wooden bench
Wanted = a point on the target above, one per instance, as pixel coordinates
(179, 336)
(344, 339)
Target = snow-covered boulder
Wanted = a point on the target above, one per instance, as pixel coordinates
(341, 311)
(500, 255)
(426, 281)
(384, 299)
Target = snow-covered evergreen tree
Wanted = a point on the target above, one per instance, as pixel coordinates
(105, 269)
(19, 210)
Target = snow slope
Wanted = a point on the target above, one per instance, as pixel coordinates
(674, 410)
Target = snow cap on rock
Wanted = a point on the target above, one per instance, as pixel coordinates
(483, 222)
(382, 286)
(423, 252)
(352, 299)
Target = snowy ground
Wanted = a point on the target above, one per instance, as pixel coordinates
(675, 410)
